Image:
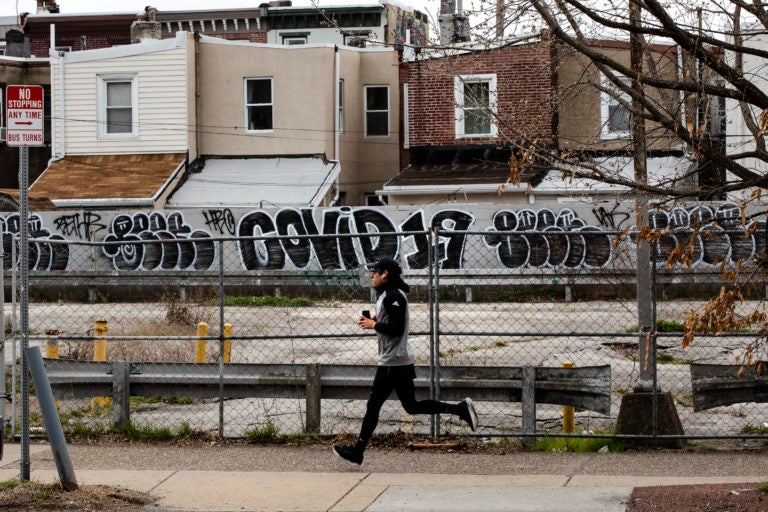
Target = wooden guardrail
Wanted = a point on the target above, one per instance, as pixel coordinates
(586, 388)
(715, 385)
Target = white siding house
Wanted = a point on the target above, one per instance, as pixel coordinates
(123, 100)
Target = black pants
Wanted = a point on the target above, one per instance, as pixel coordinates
(399, 379)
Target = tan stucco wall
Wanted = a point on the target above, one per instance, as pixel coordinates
(304, 99)
(367, 163)
(579, 102)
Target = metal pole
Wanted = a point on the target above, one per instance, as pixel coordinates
(51, 418)
(4, 397)
(641, 176)
(221, 339)
(24, 292)
(435, 269)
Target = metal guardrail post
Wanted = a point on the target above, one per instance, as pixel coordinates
(313, 399)
(52, 343)
(529, 405)
(227, 342)
(100, 330)
(121, 394)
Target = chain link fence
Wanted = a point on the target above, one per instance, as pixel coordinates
(496, 298)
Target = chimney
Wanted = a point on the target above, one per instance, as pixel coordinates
(146, 27)
(454, 28)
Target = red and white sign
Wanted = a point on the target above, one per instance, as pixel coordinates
(24, 115)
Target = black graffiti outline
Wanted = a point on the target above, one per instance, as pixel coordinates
(127, 247)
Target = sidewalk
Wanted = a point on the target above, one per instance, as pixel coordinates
(307, 479)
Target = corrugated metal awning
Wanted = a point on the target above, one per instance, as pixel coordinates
(267, 181)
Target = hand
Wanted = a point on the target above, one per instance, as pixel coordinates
(366, 323)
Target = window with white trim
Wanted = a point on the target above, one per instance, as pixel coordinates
(117, 100)
(376, 107)
(615, 118)
(475, 105)
(258, 104)
(294, 40)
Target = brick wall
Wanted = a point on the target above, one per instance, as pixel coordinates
(524, 94)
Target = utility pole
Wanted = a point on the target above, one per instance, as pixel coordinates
(645, 410)
(644, 275)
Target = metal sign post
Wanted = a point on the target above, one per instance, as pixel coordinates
(24, 128)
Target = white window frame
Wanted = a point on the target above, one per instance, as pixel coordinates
(247, 105)
(103, 82)
(606, 102)
(294, 40)
(459, 82)
(366, 111)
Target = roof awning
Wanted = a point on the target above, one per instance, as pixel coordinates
(103, 181)
(456, 169)
(267, 181)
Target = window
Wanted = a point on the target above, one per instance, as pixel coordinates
(475, 105)
(615, 119)
(340, 127)
(290, 41)
(118, 106)
(376, 110)
(258, 104)
(293, 38)
(356, 40)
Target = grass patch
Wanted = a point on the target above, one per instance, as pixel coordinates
(751, 429)
(527, 294)
(578, 444)
(662, 326)
(763, 487)
(663, 358)
(266, 434)
(9, 484)
(268, 300)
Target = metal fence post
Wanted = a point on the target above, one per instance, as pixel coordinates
(434, 321)
(220, 247)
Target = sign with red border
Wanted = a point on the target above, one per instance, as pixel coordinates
(24, 115)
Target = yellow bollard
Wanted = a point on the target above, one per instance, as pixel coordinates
(100, 354)
(100, 345)
(52, 343)
(568, 410)
(227, 342)
(202, 331)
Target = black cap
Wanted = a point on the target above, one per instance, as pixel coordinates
(386, 264)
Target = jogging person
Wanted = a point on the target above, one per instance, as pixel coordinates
(395, 369)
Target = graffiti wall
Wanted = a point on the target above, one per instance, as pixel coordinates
(347, 237)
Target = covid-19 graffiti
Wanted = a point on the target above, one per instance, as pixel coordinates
(344, 238)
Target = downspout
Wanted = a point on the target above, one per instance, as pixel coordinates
(335, 111)
(52, 54)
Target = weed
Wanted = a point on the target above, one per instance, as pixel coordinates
(267, 433)
(702, 447)
(763, 487)
(83, 431)
(621, 391)
(577, 444)
(9, 484)
(751, 429)
(662, 326)
(663, 358)
(144, 432)
(267, 300)
(500, 344)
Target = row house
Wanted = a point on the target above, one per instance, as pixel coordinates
(28, 41)
(473, 114)
(172, 123)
